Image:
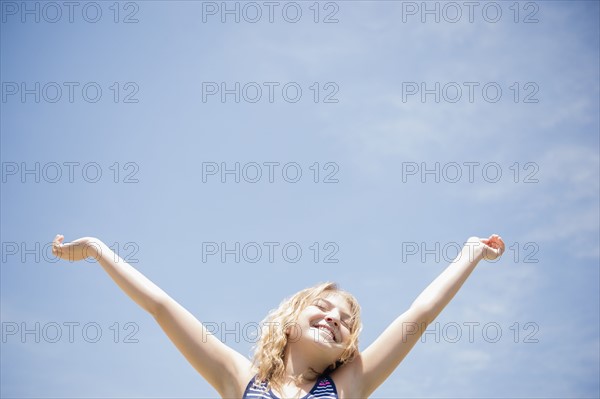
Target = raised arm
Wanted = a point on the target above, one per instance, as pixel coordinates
(225, 369)
(382, 357)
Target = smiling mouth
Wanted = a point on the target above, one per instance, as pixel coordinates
(328, 330)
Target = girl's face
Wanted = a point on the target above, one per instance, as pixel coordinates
(325, 322)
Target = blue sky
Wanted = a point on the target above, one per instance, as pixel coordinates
(403, 179)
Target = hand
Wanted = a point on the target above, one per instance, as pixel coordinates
(494, 247)
(79, 249)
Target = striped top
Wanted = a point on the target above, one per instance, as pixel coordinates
(324, 388)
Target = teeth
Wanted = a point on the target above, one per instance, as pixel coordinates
(328, 331)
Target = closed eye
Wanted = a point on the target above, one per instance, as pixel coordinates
(324, 305)
(321, 304)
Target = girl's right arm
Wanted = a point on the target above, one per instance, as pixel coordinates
(225, 369)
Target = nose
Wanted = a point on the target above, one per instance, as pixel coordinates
(333, 317)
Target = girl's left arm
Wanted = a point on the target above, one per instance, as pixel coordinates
(382, 357)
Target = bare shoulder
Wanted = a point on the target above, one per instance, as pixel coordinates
(348, 378)
(243, 375)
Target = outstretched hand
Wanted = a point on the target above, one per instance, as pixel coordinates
(494, 247)
(75, 250)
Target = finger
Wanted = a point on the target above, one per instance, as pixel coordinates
(495, 237)
(57, 244)
(58, 239)
(56, 249)
(498, 243)
(502, 245)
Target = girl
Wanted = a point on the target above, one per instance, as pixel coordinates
(309, 346)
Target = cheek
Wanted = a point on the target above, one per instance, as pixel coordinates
(302, 325)
(347, 335)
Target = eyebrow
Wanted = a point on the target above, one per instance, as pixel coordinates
(344, 315)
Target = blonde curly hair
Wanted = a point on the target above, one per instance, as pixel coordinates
(270, 349)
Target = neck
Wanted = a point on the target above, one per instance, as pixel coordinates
(301, 367)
